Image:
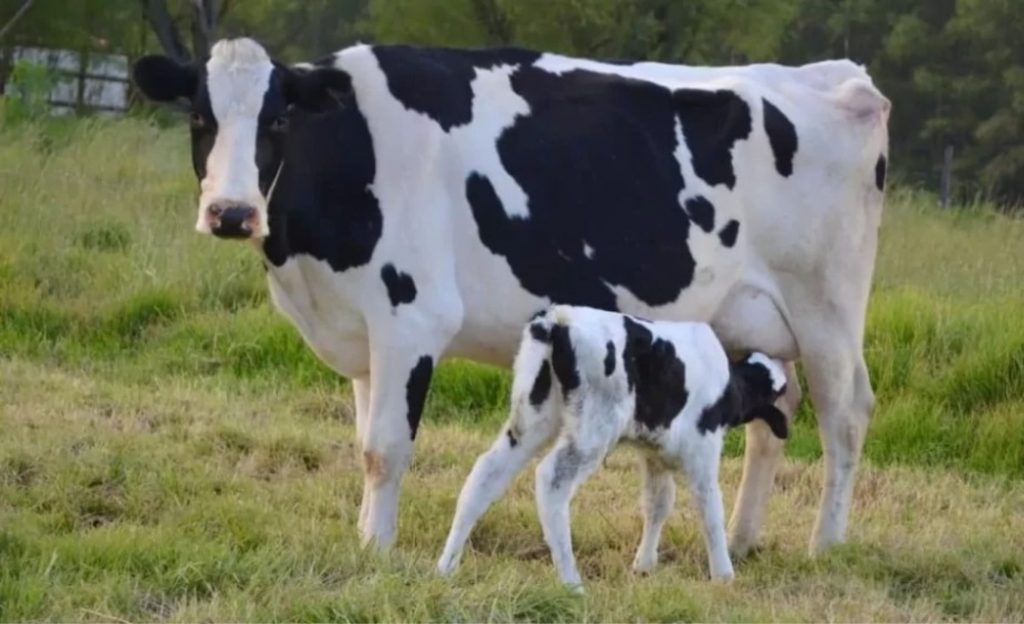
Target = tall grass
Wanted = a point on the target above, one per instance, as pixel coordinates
(100, 271)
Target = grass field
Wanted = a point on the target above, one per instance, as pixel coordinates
(170, 450)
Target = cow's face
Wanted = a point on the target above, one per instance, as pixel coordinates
(241, 103)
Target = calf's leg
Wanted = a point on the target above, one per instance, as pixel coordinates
(528, 431)
(656, 501)
(559, 474)
(701, 467)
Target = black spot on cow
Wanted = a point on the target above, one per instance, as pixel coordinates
(781, 136)
(596, 158)
(657, 373)
(880, 165)
(712, 122)
(609, 359)
(563, 360)
(729, 233)
(540, 332)
(438, 81)
(512, 440)
(401, 287)
(416, 391)
(541, 386)
(323, 206)
(702, 212)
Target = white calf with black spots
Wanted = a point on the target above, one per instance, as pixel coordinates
(588, 379)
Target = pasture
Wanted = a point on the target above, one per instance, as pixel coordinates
(170, 450)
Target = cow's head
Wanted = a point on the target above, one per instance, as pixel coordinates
(241, 103)
(760, 381)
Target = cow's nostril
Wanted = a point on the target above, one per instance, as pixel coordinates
(215, 210)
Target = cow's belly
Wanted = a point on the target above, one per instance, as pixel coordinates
(497, 305)
(317, 301)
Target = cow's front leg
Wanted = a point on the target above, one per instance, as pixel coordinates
(761, 461)
(401, 377)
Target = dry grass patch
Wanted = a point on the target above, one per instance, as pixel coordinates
(189, 499)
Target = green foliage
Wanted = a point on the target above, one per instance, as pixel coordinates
(28, 92)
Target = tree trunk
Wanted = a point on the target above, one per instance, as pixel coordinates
(166, 30)
(204, 26)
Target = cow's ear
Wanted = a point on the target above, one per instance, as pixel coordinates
(163, 79)
(316, 89)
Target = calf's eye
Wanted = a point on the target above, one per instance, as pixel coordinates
(196, 120)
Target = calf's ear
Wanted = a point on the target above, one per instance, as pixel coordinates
(773, 417)
(163, 79)
(316, 89)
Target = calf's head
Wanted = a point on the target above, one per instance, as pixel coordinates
(241, 104)
(759, 381)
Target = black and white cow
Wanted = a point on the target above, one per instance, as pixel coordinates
(412, 204)
(589, 379)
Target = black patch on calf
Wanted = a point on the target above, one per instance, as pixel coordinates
(437, 81)
(725, 412)
(880, 165)
(540, 333)
(596, 158)
(782, 137)
(541, 386)
(401, 287)
(638, 341)
(712, 122)
(416, 391)
(512, 441)
(701, 212)
(563, 360)
(729, 233)
(659, 376)
(748, 396)
(609, 359)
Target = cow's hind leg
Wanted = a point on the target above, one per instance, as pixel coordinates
(760, 462)
(528, 431)
(656, 501)
(837, 378)
(361, 400)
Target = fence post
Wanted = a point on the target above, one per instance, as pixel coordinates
(947, 176)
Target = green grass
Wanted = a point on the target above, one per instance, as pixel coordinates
(171, 450)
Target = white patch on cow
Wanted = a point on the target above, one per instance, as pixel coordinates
(238, 75)
(588, 251)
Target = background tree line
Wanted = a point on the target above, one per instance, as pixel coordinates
(953, 68)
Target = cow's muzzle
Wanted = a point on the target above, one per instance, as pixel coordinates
(229, 220)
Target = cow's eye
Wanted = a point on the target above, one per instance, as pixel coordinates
(279, 124)
(196, 120)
